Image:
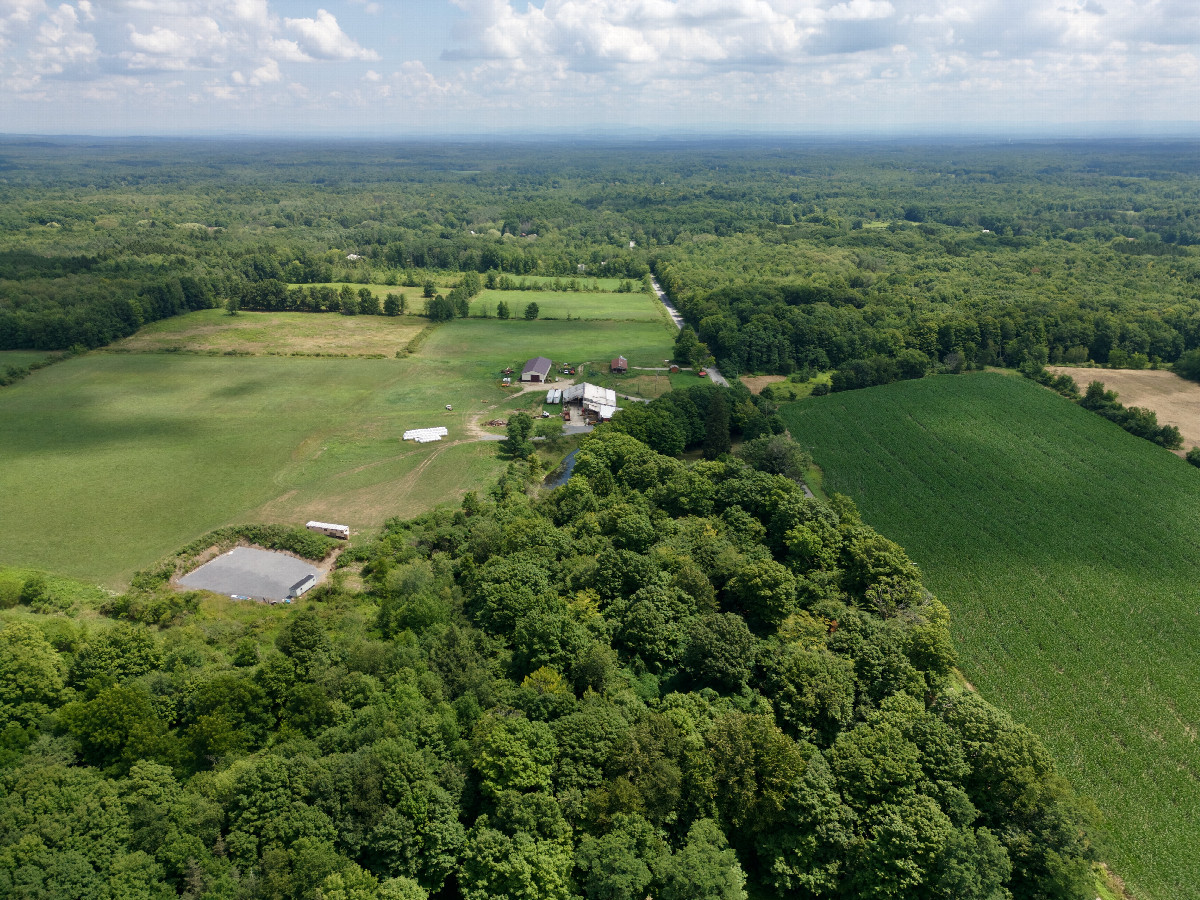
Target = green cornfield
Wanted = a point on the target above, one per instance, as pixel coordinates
(1068, 552)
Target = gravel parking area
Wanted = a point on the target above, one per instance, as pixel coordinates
(246, 572)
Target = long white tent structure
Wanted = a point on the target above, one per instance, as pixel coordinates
(591, 396)
(425, 435)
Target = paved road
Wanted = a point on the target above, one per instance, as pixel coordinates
(713, 373)
(249, 572)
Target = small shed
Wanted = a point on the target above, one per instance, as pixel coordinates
(674, 368)
(620, 365)
(301, 586)
(553, 397)
(537, 369)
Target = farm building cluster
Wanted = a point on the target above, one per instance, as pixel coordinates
(588, 402)
(595, 404)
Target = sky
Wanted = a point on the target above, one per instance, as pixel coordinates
(377, 68)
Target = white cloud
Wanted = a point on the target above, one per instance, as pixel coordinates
(289, 51)
(461, 63)
(190, 43)
(323, 38)
(61, 44)
(160, 41)
(860, 10)
(267, 73)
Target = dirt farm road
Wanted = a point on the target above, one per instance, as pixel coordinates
(713, 372)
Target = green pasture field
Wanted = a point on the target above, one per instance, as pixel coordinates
(577, 304)
(1068, 552)
(110, 461)
(21, 358)
(681, 380)
(478, 344)
(214, 330)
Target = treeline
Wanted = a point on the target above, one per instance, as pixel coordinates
(781, 258)
(701, 417)
(270, 295)
(99, 313)
(660, 680)
(781, 328)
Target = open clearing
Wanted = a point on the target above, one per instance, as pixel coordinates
(756, 383)
(680, 380)
(480, 344)
(577, 304)
(250, 572)
(21, 358)
(110, 461)
(214, 330)
(1175, 400)
(649, 386)
(1068, 552)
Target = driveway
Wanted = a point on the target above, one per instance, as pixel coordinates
(713, 373)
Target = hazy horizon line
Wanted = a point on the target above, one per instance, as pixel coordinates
(1114, 131)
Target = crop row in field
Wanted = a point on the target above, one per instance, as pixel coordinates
(1068, 552)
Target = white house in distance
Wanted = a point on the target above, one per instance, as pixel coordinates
(537, 369)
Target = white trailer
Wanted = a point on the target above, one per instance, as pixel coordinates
(336, 531)
(300, 587)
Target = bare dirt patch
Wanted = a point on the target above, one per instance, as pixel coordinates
(1175, 400)
(757, 382)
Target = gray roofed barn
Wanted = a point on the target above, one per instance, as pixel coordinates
(537, 369)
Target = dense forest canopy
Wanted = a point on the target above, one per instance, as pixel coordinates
(659, 680)
(663, 679)
(781, 255)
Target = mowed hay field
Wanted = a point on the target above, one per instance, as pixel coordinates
(1175, 400)
(111, 460)
(480, 344)
(214, 330)
(1069, 554)
(576, 304)
(21, 358)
